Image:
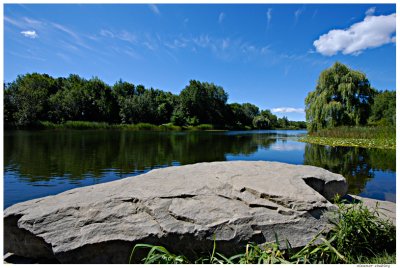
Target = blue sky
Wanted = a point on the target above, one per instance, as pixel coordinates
(266, 54)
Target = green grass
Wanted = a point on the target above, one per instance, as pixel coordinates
(370, 132)
(358, 235)
(103, 125)
(139, 126)
(367, 137)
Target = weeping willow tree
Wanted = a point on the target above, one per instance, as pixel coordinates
(342, 97)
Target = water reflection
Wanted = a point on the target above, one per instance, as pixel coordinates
(357, 165)
(62, 160)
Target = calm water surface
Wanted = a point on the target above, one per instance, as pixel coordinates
(41, 163)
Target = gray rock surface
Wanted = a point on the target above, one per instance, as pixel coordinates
(183, 208)
(386, 209)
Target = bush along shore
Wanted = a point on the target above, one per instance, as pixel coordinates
(85, 125)
(358, 235)
(383, 137)
(104, 125)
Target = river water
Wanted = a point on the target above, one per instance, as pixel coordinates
(42, 163)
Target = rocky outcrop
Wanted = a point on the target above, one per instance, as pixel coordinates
(183, 208)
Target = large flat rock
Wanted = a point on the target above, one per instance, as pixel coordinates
(183, 208)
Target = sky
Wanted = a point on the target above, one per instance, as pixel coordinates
(267, 54)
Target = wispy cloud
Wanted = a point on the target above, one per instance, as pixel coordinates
(64, 57)
(185, 22)
(315, 13)
(298, 13)
(269, 16)
(106, 33)
(373, 31)
(154, 9)
(288, 110)
(177, 43)
(66, 30)
(221, 17)
(77, 37)
(30, 34)
(370, 11)
(30, 56)
(16, 23)
(121, 35)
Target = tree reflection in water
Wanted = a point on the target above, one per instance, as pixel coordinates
(67, 159)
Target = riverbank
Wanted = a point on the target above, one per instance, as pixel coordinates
(366, 137)
(140, 126)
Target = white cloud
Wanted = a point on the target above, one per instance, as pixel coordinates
(373, 31)
(269, 15)
(30, 34)
(287, 110)
(221, 17)
(370, 11)
(154, 9)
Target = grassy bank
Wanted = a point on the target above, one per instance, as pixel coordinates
(358, 236)
(366, 137)
(140, 126)
(103, 125)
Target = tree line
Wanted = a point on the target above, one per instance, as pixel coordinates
(344, 97)
(35, 97)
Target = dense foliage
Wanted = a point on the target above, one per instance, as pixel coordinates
(344, 97)
(35, 98)
(383, 111)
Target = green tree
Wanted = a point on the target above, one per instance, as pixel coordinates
(342, 97)
(9, 105)
(205, 102)
(383, 111)
(30, 98)
(273, 119)
(261, 122)
(283, 122)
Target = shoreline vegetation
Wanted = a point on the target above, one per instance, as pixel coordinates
(380, 137)
(358, 235)
(35, 100)
(85, 125)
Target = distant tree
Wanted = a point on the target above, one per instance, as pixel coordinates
(250, 111)
(29, 98)
(150, 106)
(179, 116)
(342, 97)
(40, 97)
(205, 102)
(383, 111)
(9, 105)
(283, 122)
(123, 89)
(261, 122)
(273, 119)
(68, 103)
